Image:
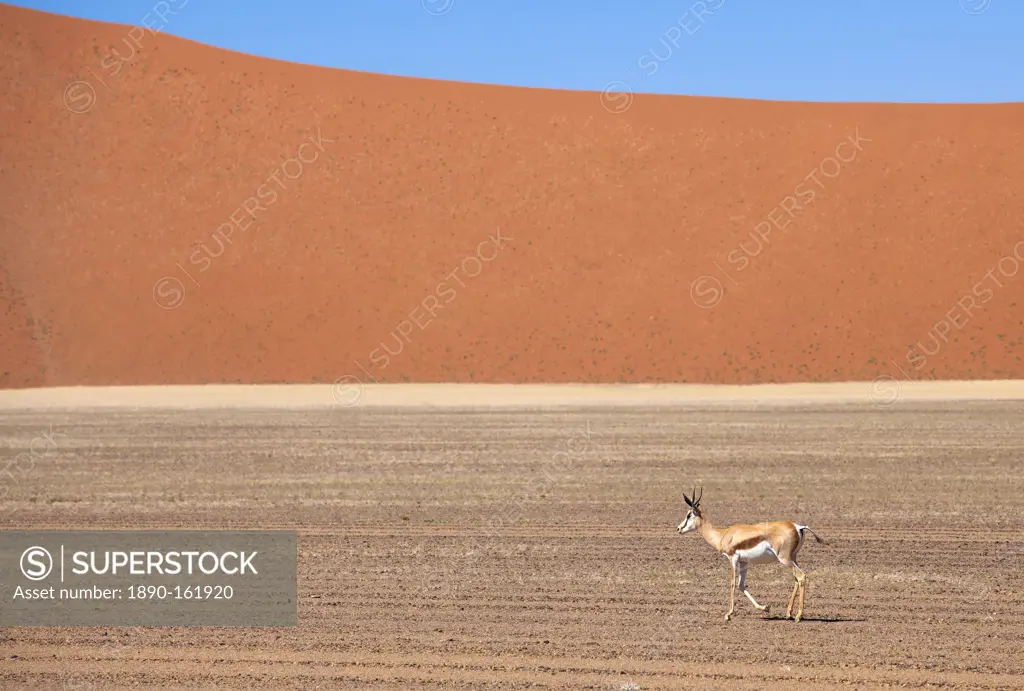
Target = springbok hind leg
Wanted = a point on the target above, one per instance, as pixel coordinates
(798, 588)
(803, 591)
(792, 599)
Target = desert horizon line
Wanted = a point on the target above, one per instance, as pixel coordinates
(882, 393)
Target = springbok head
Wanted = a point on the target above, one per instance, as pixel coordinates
(693, 517)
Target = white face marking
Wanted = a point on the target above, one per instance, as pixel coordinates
(687, 524)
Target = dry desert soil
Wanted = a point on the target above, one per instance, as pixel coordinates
(533, 545)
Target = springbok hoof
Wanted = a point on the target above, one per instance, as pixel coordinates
(796, 619)
(728, 617)
(767, 609)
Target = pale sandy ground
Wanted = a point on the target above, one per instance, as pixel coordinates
(883, 392)
(536, 548)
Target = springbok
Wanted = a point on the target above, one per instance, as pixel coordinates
(761, 543)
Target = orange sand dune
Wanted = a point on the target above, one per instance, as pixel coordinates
(679, 240)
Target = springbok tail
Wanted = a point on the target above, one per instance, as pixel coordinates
(802, 528)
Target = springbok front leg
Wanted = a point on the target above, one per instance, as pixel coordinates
(743, 589)
(732, 590)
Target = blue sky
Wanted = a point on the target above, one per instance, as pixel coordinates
(808, 50)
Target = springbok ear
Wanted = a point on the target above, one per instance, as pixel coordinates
(687, 500)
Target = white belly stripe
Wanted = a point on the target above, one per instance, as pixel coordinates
(760, 553)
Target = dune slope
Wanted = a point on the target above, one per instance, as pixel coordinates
(174, 213)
